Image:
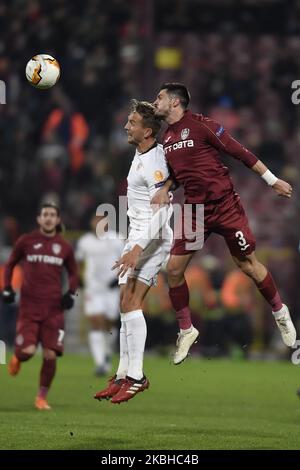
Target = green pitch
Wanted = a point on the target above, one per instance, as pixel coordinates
(201, 404)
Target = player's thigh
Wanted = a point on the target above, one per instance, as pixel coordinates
(191, 232)
(153, 258)
(52, 332)
(133, 295)
(177, 264)
(27, 334)
(97, 322)
(49, 354)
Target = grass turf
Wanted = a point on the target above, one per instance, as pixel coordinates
(201, 404)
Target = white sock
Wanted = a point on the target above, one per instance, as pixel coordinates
(123, 363)
(136, 333)
(97, 346)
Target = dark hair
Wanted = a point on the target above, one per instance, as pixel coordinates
(49, 204)
(179, 90)
(149, 118)
(45, 205)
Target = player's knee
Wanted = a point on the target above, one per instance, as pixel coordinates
(23, 354)
(129, 303)
(49, 354)
(175, 275)
(30, 350)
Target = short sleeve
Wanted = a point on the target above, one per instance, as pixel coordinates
(156, 172)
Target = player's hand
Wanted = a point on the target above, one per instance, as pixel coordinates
(8, 295)
(128, 261)
(67, 300)
(283, 188)
(161, 197)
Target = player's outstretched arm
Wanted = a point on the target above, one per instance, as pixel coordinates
(128, 261)
(282, 188)
(219, 138)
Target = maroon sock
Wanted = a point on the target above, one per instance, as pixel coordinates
(269, 291)
(180, 300)
(46, 376)
(22, 356)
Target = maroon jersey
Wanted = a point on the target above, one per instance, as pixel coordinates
(192, 147)
(43, 260)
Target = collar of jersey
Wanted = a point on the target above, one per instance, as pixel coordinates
(152, 147)
(176, 124)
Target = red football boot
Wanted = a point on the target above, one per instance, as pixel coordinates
(113, 387)
(14, 365)
(129, 389)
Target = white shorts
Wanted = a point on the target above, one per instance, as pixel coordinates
(151, 260)
(105, 303)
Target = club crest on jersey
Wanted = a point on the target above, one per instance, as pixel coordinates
(158, 176)
(56, 248)
(185, 133)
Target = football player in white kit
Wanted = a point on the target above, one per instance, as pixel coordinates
(147, 249)
(98, 251)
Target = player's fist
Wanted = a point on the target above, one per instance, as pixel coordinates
(67, 300)
(8, 295)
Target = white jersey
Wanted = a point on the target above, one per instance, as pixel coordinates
(99, 255)
(147, 174)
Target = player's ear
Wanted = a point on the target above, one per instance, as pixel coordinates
(176, 101)
(38, 219)
(148, 132)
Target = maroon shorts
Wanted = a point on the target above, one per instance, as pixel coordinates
(40, 324)
(225, 217)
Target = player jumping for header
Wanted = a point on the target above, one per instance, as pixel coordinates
(192, 145)
(147, 248)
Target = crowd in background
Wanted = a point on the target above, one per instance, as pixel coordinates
(68, 143)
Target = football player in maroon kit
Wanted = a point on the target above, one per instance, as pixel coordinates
(43, 254)
(192, 145)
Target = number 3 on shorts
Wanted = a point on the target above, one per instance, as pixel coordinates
(242, 241)
(61, 335)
